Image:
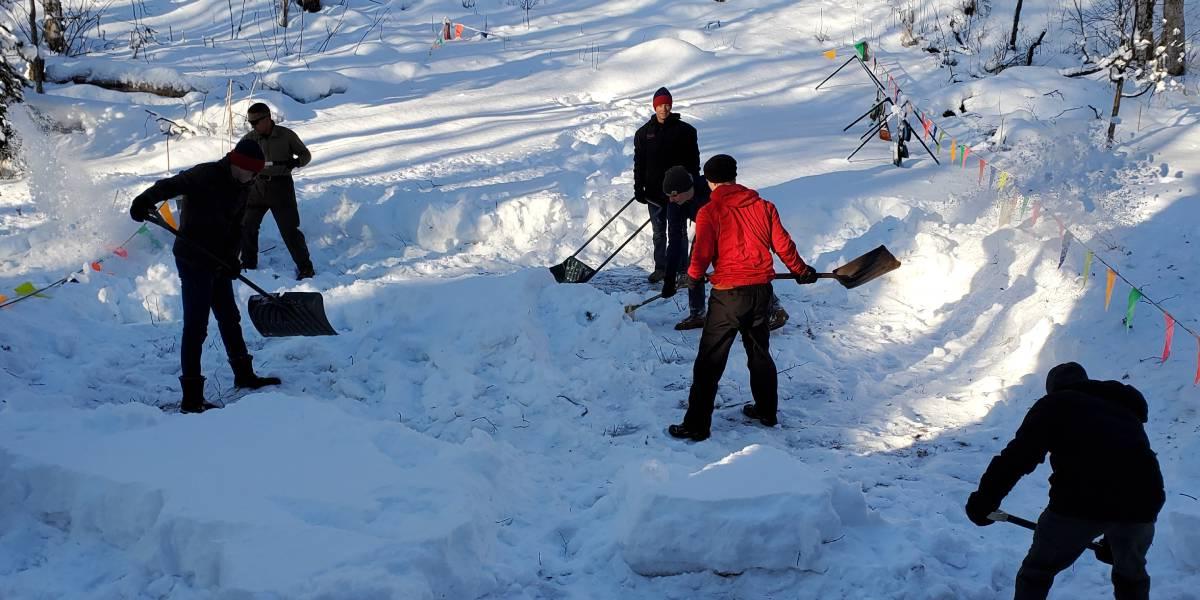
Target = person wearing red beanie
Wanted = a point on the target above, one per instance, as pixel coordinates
(212, 200)
(665, 141)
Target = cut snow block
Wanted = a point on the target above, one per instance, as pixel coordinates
(758, 508)
(1183, 537)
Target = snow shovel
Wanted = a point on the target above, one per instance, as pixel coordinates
(1100, 548)
(573, 270)
(860, 270)
(629, 308)
(274, 315)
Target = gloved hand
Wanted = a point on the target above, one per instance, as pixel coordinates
(978, 509)
(668, 286)
(808, 276)
(640, 198)
(292, 163)
(141, 208)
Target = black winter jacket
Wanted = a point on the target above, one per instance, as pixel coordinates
(658, 147)
(211, 207)
(1103, 467)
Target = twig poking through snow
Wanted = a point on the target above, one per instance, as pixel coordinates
(585, 410)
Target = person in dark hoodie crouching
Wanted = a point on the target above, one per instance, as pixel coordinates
(210, 225)
(1105, 480)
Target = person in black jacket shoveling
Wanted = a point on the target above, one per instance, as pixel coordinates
(212, 203)
(663, 142)
(1105, 480)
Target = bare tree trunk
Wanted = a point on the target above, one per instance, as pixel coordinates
(283, 13)
(53, 26)
(1143, 28)
(38, 66)
(1012, 40)
(1112, 122)
(1173, 36)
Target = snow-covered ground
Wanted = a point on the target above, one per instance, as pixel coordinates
(478, 431)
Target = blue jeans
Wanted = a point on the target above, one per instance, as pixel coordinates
(204, 291)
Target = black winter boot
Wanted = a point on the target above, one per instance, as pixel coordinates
(244, 377)
(193, 396)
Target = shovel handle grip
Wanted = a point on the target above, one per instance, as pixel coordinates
(1000, 515)
(793, 276)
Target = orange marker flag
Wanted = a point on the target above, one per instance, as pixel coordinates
(1112, 278)
(458, 29)
(165, 211)
(982, 164)
(95, 265)
(830, 54)
(953, 149)
(1169, 335)
(3, 298)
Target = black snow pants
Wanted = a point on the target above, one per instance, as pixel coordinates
(745, 310)
(1060, 539)
(203, 291)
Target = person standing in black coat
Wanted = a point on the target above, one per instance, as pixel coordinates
(663, 142)
(1105, 480)
(211, 207)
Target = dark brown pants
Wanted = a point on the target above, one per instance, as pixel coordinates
(277, 195)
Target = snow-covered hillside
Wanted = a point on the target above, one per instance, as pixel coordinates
(479, 431)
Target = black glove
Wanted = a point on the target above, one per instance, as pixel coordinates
(291, 163)
(639, 198)
(978, 509)
(808, 276)
(141, 209)
(668, 286)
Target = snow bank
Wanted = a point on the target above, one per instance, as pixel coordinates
(269, 494)
(307, 86)
(755, 509)
(130, 74)
(640, 70)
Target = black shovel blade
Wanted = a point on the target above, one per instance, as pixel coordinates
(289, 314)
(866, 267)
(572, 270)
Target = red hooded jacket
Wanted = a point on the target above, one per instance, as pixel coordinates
(736, 232)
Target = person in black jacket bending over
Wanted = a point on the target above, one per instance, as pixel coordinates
(210, 223)
(663, 142)
(1105, 480)
(686, 198)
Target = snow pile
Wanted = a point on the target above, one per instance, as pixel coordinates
(641, 69)
(271, 493)
(129, 73)
(307, 86)
(758, 508)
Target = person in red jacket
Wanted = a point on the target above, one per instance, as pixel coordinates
(736, 232)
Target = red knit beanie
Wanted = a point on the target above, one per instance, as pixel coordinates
(248, 155)
(662, 96)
